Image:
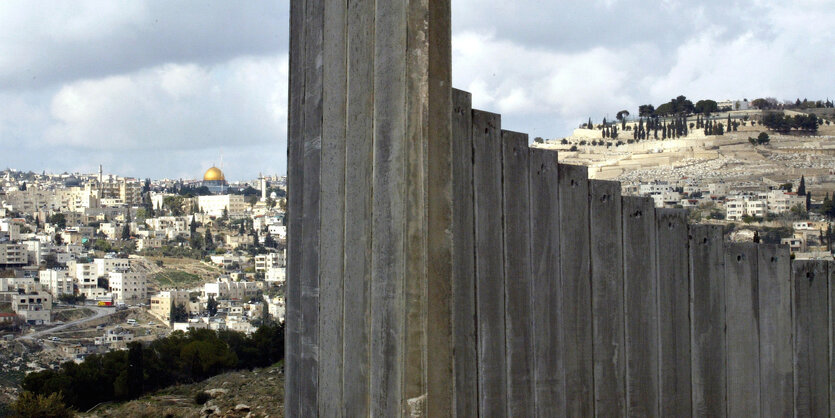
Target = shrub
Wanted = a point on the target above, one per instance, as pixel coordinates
(32, 405)
(202, 397)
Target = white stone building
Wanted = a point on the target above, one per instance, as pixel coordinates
(56, 282)
(13, 255)
(128, 287)
(225, 289)
(264, 262)
(215, 205)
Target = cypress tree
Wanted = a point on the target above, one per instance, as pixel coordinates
(801, 189)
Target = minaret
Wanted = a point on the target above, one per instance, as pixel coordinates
(263, 187)
(101, 180)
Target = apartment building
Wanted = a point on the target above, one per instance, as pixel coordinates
(128, 287)
(163, 303)
(215, 205)
(13, 255)
(34, 307)
(56, 282)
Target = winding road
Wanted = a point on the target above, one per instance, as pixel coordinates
(99, 310)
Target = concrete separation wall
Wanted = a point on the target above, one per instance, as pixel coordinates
(438, 266)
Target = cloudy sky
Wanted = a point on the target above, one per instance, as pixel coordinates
(165, 89)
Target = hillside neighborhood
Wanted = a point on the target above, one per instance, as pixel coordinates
(90, 263)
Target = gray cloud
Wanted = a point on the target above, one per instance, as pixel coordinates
(549, 78)
(57, 41)
(163, 89)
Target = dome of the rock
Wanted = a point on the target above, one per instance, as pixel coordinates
(213, 174)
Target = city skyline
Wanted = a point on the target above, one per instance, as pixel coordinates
(153, 89)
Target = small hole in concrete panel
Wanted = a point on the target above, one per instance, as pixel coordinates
(604, 198)
(704, 241)
(773, 259)
(486, 130)
(689, 237)
(637, 214)
(738, 258)
(810, 275)
(573, 183)
(670, 225)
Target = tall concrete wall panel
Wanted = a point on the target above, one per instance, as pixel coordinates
(775, 325)
(311, 186)
(415, 286)
(811, 338)
(548, 375)
(332, 208)
(517, 274)
(295, 177)
(607, 298)
(673, 259)
(463, 274)
(439, 212)
(575, 292)
(640, 306)
(358, 209)
(742, 311)
(489, 263)
(707, 310)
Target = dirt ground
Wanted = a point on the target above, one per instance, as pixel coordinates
(195, 272)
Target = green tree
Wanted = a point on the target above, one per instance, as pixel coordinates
(102, 245)
(179, 313)
(763, 138)
(706, 107)
(621, 116)
(801, 189)
(761, 104)
(209, 240)
(59, 220)
(211, 306)
(126, 231)
(196, 241)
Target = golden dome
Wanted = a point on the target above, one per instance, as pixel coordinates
(213, 174)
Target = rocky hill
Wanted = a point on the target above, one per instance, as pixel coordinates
(257, 393)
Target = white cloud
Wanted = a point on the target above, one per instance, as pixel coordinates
(174, 106)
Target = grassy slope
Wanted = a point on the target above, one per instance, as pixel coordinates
(261, 389)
